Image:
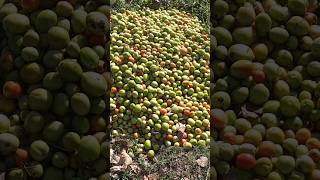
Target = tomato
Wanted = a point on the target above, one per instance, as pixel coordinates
(169, 137)
(183, 51)
(21, 156)
(302, 135)
(230, 138)
(245, 161)
(12, 89)
(131, 59)
(218, 123)
(266, 149)
(186, 112)
(163, 111)
(182, 142)
(258, 76)
(114, 90)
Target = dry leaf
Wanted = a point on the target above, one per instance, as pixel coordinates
(125, 159)
(180, 128)
(247, 113)
(116, 168)
(135, 168)
(114, 159)
(202, 161)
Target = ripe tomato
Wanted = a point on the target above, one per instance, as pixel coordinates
(186, 112)
(163, 111)
(12, 89)
(258, 76)
(114, 90)
(131, 59)
(245, 161)
(169, 137)
(21, 156)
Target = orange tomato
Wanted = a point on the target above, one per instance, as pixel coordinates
(169, 137)
(131, 59)
(163, 111)
(183, 141)
(21, 156)
(183, 51)
(12, 89)
(186, 112)
(114, 90)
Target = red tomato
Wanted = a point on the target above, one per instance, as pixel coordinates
(258, 76)
(12, 89)
(245, 161)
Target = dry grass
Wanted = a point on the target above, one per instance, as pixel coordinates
(169, 163)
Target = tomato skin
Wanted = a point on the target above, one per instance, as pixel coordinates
(245, 161)
(163, 111)
(12, 89)
(186, 112)
(230, 138)
(21, 156)
(218, 123)
(266, 149)
(258, 76)
(114, 90)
